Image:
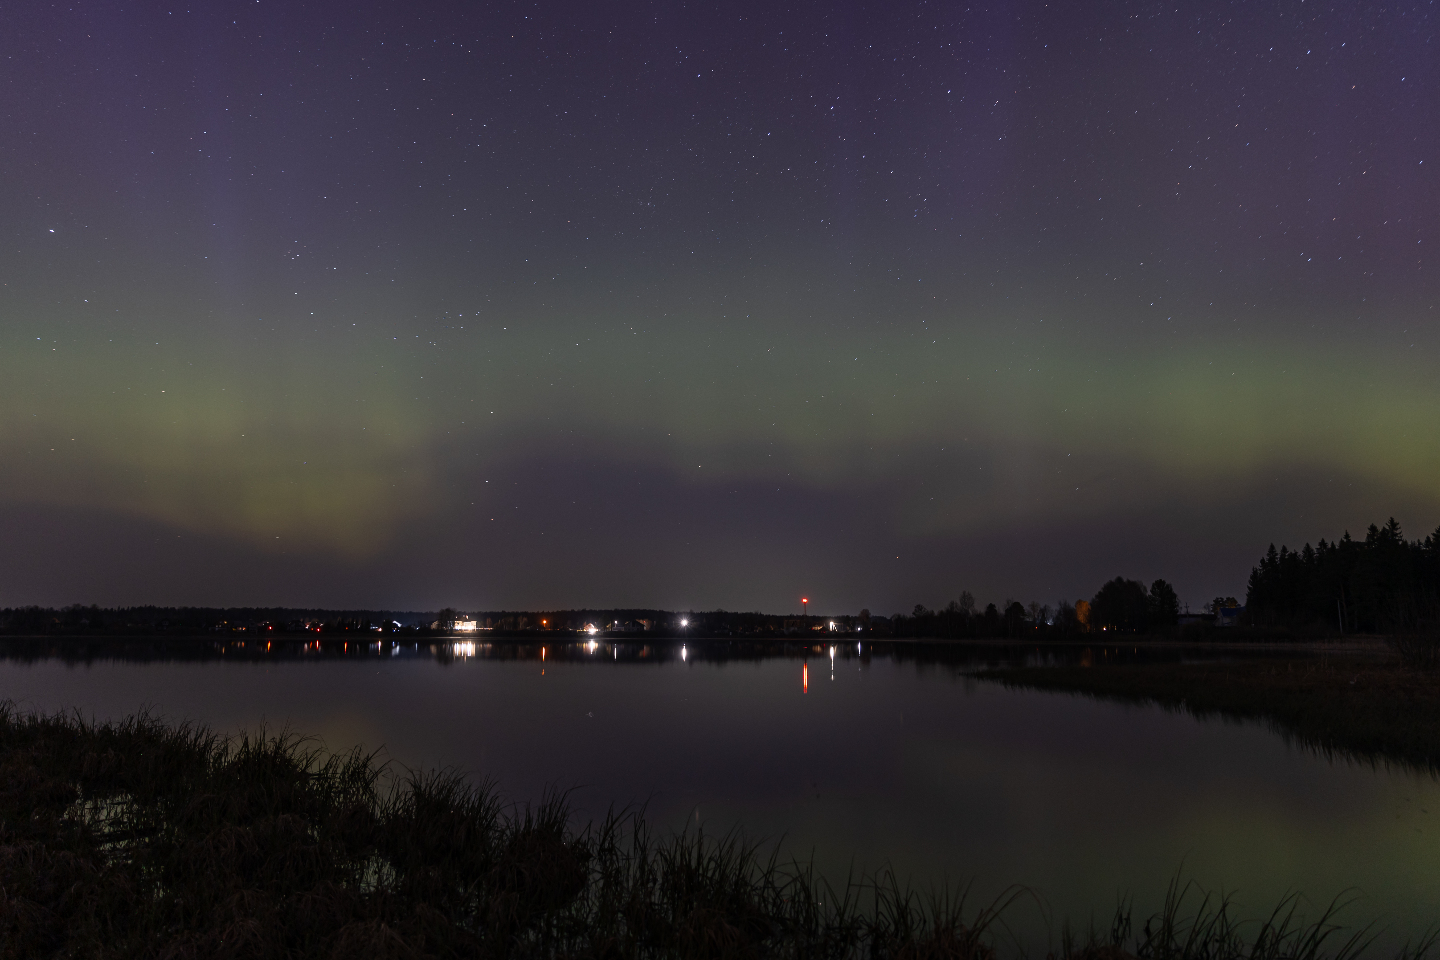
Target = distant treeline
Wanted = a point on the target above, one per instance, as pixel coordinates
(1120, 605)
(79, 620)
(1383, 584)
(150, 620)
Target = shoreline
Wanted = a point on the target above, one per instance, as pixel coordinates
(139, 838)
(1364, 708)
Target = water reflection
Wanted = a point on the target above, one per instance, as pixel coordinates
(957, 658)
(903, 758)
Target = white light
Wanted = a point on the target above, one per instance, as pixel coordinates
(591, 630)
(684, 623)
(465, 648)
(592, 646)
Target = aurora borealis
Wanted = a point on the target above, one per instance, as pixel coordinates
(509, 305)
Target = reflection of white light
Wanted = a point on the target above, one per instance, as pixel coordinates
(683, 654)
(832, 653)
(591, 645)
(465, 648)
(857, 649)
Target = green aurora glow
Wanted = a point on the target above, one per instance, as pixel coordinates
(321, 337)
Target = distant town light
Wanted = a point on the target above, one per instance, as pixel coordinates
(684, 622)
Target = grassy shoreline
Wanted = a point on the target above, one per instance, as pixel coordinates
(140, 839)
(1365, 709)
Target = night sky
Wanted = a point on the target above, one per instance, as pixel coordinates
(661, 304)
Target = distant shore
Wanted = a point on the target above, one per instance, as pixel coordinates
(1355, 699)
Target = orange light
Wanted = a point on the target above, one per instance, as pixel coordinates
(805, 677)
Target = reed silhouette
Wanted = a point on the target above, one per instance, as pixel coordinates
(141, 839)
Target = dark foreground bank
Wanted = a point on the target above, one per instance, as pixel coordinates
(1365, 710)
(137, 839)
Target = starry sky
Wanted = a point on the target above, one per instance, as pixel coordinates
(503, 305)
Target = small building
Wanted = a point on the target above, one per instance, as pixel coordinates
(1228, 616)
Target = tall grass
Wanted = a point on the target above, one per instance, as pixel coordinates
(138, 839)
(1420, 652)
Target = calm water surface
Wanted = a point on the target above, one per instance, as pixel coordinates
(873, 757)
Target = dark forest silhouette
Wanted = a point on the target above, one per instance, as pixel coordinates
(1383, 584)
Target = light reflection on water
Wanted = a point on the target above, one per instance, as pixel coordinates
(902, 758)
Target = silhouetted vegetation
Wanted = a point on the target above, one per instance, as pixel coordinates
(93, 621)
(1383, 584)
(135, 839)
(1366, 710)
(961, 620)
(1126, 606)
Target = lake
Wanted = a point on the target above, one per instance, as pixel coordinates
(858, 755)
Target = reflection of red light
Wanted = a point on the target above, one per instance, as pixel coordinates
(805, 677)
